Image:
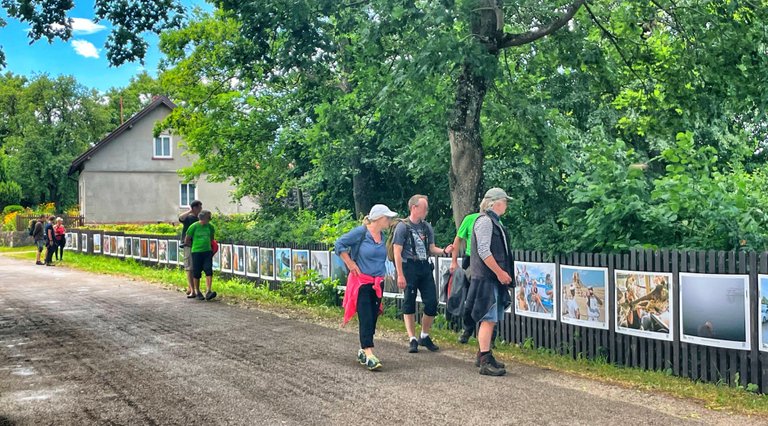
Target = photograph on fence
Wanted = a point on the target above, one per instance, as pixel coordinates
(390, 280)
(339, 270)
(535, 290)
(762, 294)
(299, 262)
(144, 249)
(128, 246)
(162, 251)
(106, 247)
(443, 277)
(112, 244)
(226, 257)
(321, 263)
(68, 245)
(121, 246)
(136, 247)
(173, 252)
(238, 260)
(252, 262)
(216, 262)
(153, 250)
(84, 243)
(283, 264)
(97, 243)
(644, 303)
(585, 296)
(714, 310)
(267, 263)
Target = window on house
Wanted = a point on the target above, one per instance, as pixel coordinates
(188, 194)
(163, 147)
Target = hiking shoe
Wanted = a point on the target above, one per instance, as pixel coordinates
(492, 360)
(362, 358)
(465, 335)
(427, 343)
(414, 346)
(210, 295)
(200, 296)
(372, 363)
(488, 369)
(39, 263)
(191, 295)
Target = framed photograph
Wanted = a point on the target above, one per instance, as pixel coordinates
(182, 254)
(226, 257)
(67, 243)
(112, 244)
(216, 263)
(144, 249)
(320, 262)
(173, 252)
(300, 262)
(162, 251)
(84, 243)
(238, 260)
(339, 271)
(644, 304)
(97, 243)
(585, 291)
(443, 277)
(283, 264)
(121, 246)
(535, 292)
(390, 281)
(762, 294)
(136, 247)
(128, 246)
(153, 250)
(267, 263)
(714, 310)
(252, 261)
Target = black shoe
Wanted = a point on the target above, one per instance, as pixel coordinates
(492, 360)
(488, 369)
(210, 295)
(414, 346)
(427, 343)
(39, 263)
(191, 295)
(200, 296)
(49, 264)
(464, 338)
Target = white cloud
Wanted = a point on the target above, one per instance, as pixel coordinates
(85, 48)
(81, 26)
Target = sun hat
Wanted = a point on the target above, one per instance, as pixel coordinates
(380, 210)
(495, 194)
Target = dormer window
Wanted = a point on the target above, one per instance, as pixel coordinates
(163, 147)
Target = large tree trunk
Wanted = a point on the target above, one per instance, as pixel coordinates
(360, 187)
(466, 173)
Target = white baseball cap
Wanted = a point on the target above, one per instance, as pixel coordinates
(380, 210)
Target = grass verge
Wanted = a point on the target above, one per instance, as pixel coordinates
(233, 290)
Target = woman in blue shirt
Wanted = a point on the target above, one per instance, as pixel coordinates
(364, 251)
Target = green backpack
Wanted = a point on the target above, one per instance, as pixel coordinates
(391, 237)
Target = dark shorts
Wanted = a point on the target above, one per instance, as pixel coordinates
(419, 276)
(202, 262)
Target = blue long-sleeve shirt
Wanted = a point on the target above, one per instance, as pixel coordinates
(369, 255)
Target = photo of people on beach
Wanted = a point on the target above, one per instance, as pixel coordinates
(584, 299)
(535, 292)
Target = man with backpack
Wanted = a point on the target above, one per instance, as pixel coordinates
(38, 233)
(50, 241)
(412, 243)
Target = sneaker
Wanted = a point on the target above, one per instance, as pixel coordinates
(39, 263)
(414, 346)
(492, 360)
(210, 295)
(191, 295)
(372, 363)
(427, 343)
(49, 264)
(200, 296)
(362, 358)
(465, 335)
(488, 369)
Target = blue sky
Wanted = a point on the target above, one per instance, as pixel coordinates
(83, 56)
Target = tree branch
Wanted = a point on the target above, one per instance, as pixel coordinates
(510, 40)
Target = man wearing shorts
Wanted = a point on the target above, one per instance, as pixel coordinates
(413, 242)
(199, 237)
(38, 233)
(187, 219)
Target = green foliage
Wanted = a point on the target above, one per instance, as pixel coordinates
(153, 228)
(10, 193)
(12, 208)
(287, 226)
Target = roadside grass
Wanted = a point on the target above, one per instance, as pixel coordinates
(4, 249)
(718, 397)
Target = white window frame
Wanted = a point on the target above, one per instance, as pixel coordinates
(189, 199)
(170, 147)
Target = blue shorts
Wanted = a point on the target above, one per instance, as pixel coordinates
(40, 244)
(496, 312)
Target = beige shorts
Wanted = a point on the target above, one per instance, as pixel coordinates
(187, 258)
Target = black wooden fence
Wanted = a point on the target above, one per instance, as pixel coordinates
(697, 362)
(22, 222)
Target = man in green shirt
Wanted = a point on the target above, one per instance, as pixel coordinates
(199, 237)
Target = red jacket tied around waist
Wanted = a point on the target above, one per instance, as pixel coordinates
(353, 288)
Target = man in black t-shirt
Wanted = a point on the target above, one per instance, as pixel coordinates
(188, 218)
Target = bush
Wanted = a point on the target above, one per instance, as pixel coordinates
(10, 193)
(13, 208)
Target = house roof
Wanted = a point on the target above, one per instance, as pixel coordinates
(77, 165)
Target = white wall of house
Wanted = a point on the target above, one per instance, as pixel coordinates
(125, 182)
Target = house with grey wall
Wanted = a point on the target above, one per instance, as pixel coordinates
(131, 176)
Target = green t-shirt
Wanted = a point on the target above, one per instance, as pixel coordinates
(201, 237)
(465, 230)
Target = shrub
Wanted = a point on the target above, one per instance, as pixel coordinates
(12, 208)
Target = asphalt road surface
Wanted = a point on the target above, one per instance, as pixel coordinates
(79, 348)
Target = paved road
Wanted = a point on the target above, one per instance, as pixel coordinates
(79, 348)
